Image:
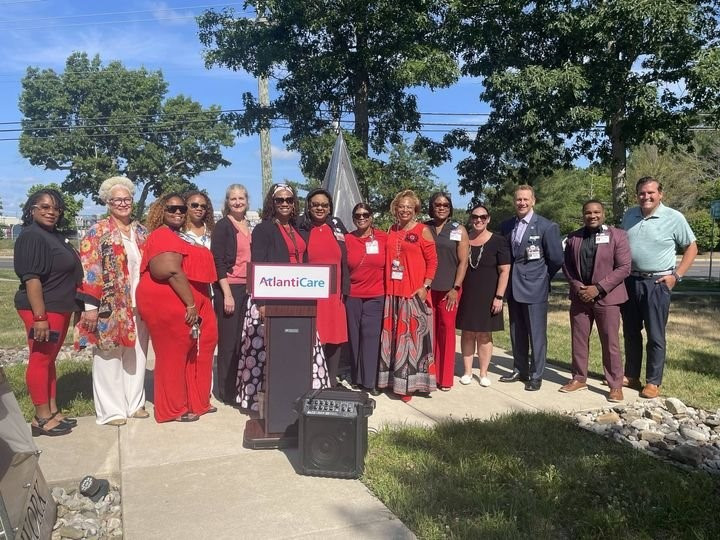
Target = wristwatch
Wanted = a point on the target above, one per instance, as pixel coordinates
(677, 277)
(456, 287)
(498, 297)
(427, 287)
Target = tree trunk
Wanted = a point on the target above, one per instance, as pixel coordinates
(140, 206)
(618, 167)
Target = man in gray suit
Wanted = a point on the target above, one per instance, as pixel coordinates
(536, 256)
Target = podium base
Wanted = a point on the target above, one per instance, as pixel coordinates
(255, 438)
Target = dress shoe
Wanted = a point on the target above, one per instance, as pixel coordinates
(514, 377)
(141, 413)
(616, 395)
(632, 382)
(533, 385)
(573, 386)
(650, 391)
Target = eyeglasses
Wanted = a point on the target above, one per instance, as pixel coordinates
(479, 217)
(127, 201)
(441, 205)
(405, 207)
(175, 208)
(47, 208)
(198, 205)
(320, 205)
(281, 200)
(361, 215)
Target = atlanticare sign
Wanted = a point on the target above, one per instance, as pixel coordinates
(290, 281)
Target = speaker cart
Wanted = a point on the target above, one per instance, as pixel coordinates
(289, 292)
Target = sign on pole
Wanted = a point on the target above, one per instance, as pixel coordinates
(715, 209)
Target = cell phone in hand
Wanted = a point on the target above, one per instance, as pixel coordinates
(53, 338)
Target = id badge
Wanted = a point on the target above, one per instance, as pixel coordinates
(456, 235)
(532, 253)
(396, 273)
(372, 247)
(340, 237)
(602, 238)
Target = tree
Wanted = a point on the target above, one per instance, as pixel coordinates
(572, 79)
(406, 168)
(96, 121)
(73, 206)
(331, 57)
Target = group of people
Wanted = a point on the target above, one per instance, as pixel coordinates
(613, 273)
(180, 280)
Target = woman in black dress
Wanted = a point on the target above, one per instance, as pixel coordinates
(481, 306)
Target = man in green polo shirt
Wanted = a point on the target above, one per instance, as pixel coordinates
(654, 232)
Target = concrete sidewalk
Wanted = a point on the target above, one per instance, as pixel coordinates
(195, 480)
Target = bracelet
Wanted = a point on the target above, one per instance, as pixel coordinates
(40, 318)
(190, 307)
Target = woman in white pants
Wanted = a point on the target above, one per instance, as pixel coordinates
(111, 252)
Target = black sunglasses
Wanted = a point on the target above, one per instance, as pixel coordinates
(198, 205)
(361, 215)
(175, 208)
(280, 200)
(476, 217)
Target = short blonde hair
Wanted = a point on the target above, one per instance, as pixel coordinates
(105, 191)
(405, 194)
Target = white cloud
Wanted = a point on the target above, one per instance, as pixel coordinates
(282, 153)
(168, 15)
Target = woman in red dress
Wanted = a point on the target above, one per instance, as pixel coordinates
(173, 299)
(406, 343)
(325, 239)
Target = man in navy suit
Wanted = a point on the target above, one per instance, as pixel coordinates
(536, 256)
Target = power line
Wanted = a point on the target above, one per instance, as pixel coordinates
(112, 13)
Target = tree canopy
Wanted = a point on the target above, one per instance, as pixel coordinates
(571, 80)
(96, 121)
(334, 57)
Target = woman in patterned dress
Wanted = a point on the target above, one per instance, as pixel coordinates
(406, 350)
(275, 240)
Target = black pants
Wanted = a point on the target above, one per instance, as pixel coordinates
(333, 352)
(229, 334)
(648, 306)
(364, 316)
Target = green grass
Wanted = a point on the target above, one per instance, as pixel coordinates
(74, 388)
(534, 475)
(692, 370)
(695, 284)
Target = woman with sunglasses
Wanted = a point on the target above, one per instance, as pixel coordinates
(481, 307)
(173, 297)
(366, 264)
(200, 220)
(406, 342)
(231, 251)
(451, 243)
(50, 272)
(325, 239)
(111, 252)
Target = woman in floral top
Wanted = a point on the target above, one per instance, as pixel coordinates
(111, 252)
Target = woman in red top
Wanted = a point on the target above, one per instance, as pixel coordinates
(173, 299)
(325, 238)
(366, 262)
(406, 350)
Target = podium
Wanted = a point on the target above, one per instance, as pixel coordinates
(289, 293)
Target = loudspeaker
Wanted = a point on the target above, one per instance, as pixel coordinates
(333, 432)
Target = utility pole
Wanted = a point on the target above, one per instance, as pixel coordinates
(265, 150)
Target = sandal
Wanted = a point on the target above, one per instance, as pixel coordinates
(188, 417)
(69, 422)
(212, 409)
(141, 413)
(60, 429)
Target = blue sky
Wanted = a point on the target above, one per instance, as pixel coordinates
(160, 35)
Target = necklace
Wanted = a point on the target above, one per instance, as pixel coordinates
(475, 264)
(123, 228)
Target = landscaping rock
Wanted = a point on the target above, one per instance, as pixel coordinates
(675, 406)
(689, 454)
(80, 517)
(608, 418)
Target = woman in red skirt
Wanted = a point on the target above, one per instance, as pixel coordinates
(406, 343)
(173, 299)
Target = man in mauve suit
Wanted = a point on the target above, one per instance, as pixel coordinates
(536, 256)
(597, 261)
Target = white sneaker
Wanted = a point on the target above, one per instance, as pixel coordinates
(466, 379)
(484, 381)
